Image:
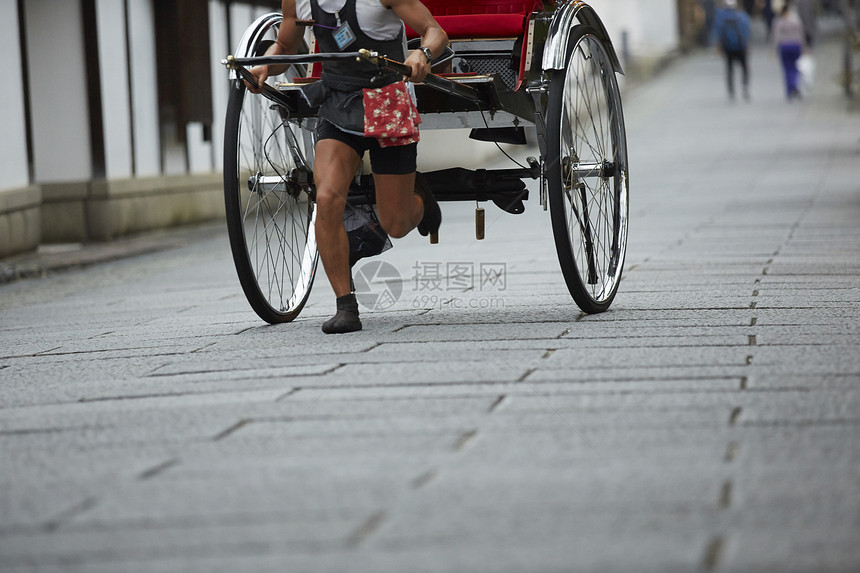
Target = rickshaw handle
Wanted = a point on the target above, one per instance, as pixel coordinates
(442, 84)
(432, 80)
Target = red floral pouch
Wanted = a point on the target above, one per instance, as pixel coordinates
(390, 115)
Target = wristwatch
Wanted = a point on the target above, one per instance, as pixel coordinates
(427, 53)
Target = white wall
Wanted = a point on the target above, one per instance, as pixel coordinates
(200, 158)
(144, 88)
(58, 91)
(206, 156)
(241, 16)
(218, 48)
(113, 66)
(13, 143)
(651, 25)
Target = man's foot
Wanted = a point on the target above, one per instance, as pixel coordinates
(432, 213)
(346, 319)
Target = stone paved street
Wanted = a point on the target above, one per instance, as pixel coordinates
(149, 421)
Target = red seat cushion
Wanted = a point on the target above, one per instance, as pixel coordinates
(480, 18)
(461, 7)
(479, 26)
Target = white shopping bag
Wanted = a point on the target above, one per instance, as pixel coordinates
(806, 67)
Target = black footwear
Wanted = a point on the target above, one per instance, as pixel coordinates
(432, 218)
(346, 319)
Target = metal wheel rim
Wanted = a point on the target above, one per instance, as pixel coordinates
(277, 215)
(592, 134)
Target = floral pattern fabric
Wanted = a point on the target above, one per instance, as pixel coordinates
(390, 115)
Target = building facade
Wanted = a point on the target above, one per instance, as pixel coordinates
(644, 32)
(113, 117)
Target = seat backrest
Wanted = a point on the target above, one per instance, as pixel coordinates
(481, 18)
(481, 7)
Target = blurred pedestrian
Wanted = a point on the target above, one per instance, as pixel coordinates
(808, 11)
(732, 33)
(768, 14)
(790, 41)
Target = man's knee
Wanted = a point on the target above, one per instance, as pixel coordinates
(395, 225)
(330, 205)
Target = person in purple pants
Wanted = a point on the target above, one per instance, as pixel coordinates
(790, 41)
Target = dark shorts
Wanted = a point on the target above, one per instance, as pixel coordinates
(395, 160)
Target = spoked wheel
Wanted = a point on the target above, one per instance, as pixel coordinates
(268, 162)
(587, 172)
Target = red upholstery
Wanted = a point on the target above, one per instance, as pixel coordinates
(477, 19)
(480, 18)
(480, 26)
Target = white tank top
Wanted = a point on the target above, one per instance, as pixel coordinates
(377, 21)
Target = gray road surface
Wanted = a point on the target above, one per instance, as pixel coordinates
(708, 422)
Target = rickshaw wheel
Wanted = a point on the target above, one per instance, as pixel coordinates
(270, 209)
(587, 172)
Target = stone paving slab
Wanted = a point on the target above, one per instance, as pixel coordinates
(808, 382)
(130, 389)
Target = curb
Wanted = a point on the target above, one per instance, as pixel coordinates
(52, 259)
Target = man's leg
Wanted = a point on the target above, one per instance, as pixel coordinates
(745, 70)
(403, 199)
(335, 165)
(730, 74)
(400, 209)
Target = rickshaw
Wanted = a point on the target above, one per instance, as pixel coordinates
(512, 65)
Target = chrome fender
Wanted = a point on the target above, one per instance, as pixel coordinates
(565, 18)
(252, 36)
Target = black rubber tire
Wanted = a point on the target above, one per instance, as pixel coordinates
(270, 219)
(585, 127)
